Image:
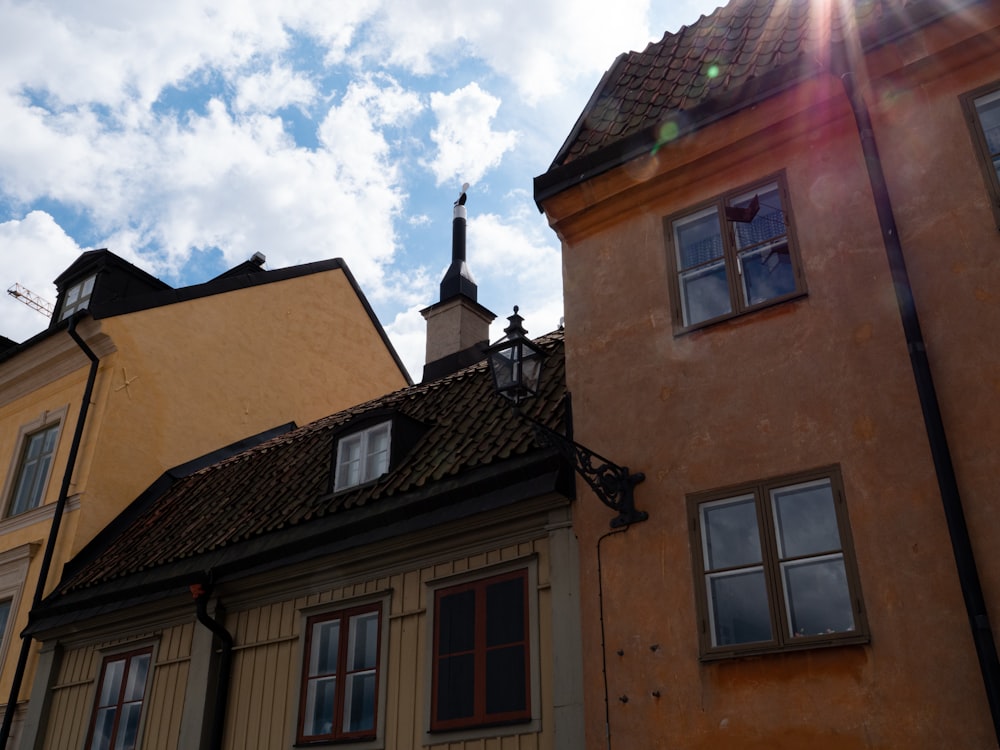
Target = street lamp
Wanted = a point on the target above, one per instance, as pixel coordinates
(516, 365)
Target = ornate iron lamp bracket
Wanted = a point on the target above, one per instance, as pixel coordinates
(611, 483)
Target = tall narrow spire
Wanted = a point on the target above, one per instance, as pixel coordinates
(458, 279)
(458, 327)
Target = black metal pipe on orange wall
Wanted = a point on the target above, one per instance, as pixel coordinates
(958, 530)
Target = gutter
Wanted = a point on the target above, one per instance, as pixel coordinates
(50, 545)
(968, 574)
(201, 595)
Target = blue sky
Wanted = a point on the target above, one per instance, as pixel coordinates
(186, 136)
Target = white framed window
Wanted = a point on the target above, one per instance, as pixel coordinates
(363, 456)
(32, 462)
(77, 297)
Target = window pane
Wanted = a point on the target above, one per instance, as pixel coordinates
(128, 727)
(111, 684)
(729, 533)
(738, 608)
(363, 646)
(988, 108)
(359, 710)
(34, 469)
(805, 519)
(506, 680)
(456, 687)
(320, 697)
(505, 612)
(705, 293)
(456, 631)
(349, 463)
(4, 616)
(323, 648)
(103, 726)
(767, 225)
(377, 462)
(817, 597)
(767, 272)
(698, 239)
(762, 244)
(137, 671)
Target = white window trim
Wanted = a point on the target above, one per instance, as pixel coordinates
(46, 419)
(384, 598)
(533, 725)
(362, 436)
(82, 300)
(13, 572)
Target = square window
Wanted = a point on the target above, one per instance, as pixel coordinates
(340, 676)
(77, 297)
(481, 659)
(775, 568)
(33, 467)
(363, 456)
(982, 111)
(732, 256)
(120, 695)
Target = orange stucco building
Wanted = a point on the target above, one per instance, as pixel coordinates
(747, 210)
(168, 375)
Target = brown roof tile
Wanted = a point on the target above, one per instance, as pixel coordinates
(746, 40)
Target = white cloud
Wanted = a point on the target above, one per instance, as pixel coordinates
(467, 146)
(29, 249)
(269, 91)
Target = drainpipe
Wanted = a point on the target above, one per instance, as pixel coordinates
(201, 594)
(958, 530)
(50, 545)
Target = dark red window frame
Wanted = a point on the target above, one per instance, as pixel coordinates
(130, 658)
(448, 605)
(337, 733)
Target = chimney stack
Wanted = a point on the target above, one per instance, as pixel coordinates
(458, 327)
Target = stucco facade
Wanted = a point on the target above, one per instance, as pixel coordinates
(821, 379)
(180, 374)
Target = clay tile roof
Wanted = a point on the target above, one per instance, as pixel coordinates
(742, 43)
(285, 482)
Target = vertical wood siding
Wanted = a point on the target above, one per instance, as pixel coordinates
(73, 694)
(267, 658)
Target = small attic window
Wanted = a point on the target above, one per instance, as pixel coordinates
(77, 297)
(363, 456)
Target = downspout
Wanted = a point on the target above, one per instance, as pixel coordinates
(958, 530)
(201, 595)
(50, 545)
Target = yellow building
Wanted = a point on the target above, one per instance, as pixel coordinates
(133, 377)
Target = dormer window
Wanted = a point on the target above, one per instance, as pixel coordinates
(363, 456)
(77, 297)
